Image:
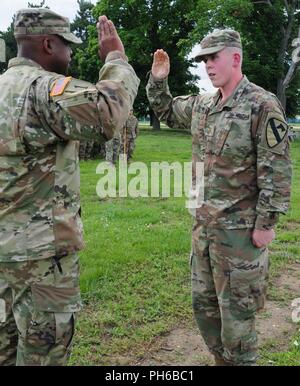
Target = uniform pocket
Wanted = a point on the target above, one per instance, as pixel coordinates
(221, 139)
(52, 320)
(248, 287)
(53, 299)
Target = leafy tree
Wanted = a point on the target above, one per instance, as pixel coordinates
(144, 26)
(267, 29)
(80, 26)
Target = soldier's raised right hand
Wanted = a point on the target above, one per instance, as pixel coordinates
(108, 38)
(161, 65)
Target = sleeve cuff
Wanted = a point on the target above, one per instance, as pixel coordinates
(266, 222)
(113, 55)
(159, 83)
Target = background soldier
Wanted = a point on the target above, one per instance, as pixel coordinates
(112, 148)
(128, 136)
(86, 150)
(240, 134)
(43, 115)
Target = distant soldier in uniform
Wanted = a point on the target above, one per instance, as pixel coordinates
(129, 135)
(112, 148)
(86, 150)
(43, 116)
(240, 136)
(99, 150)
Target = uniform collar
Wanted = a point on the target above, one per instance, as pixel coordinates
(233, 99)
(20, 61)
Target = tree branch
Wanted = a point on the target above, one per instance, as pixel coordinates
(292, 69)
(286, 5)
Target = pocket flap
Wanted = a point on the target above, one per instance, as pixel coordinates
(53, 299)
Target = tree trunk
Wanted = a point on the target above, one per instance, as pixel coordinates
(154, 122)
(284, 80)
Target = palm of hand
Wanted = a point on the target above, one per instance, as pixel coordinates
(161, 65)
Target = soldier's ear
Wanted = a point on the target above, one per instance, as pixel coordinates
(236, 59)
(48, 45)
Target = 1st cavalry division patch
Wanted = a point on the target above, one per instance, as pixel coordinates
(276, 132)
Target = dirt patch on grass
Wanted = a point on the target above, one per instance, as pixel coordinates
(185, 347)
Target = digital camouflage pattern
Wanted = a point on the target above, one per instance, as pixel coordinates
(43, 117)
(112, 148)
(39, 300)
(217, 41)
(86, 150)
(229, 277)
(128, 136)
(243, 144)
(39, 167)
(43, 21)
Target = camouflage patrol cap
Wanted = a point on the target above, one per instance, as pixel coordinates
(217, 40)
(42, 21)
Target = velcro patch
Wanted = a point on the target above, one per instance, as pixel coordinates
(276, 132)
(60, 86)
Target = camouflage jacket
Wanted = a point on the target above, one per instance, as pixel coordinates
(42, 117)
(130, 128)
(243, 144)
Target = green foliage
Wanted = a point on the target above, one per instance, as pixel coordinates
(263, 28)
(80, 26)
(145, 26)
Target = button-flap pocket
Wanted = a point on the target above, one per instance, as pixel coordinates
(53, 299)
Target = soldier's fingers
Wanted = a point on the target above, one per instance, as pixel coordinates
(104, 28)
(112, 28)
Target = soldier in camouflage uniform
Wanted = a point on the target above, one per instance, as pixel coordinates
(128, 136)
(86, 150)
(43, 116)
(112, 148)
(239, 134)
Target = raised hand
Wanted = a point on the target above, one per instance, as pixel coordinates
(108, 38)
(161, 65)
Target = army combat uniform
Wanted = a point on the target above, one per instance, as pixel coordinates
(244, 147)
(128, 136)
(112, 148)
(43, 116)
(86, 150)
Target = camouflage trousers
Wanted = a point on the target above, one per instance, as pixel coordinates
(128, 148)
(112, 150)
(229, 277)
(38, 302)
(86, 150)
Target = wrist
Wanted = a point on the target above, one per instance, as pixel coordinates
(113, 55)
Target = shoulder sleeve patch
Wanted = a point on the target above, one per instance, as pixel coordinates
(60, 86)
(276, 132)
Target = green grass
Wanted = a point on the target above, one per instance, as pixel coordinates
(135, 277)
